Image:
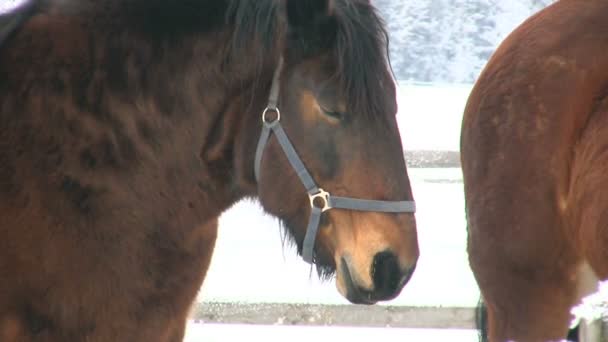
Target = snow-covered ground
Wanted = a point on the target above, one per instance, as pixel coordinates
(233, 333)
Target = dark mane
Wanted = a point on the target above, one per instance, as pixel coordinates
(253, 22)
(362, 52)
(360, 46)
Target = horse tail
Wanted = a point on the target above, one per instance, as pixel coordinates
(481, 320)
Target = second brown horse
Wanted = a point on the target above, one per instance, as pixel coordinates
(535, 163)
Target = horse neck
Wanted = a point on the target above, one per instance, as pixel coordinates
(213, 98)
(237, 129)
(173, 97)
(232, 98)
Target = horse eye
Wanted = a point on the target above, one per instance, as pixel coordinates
(333, 114)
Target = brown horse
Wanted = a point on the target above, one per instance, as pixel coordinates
(535, 164)
(128, 126)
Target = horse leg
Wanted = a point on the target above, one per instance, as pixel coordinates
(166, 321)
(36, 315)
(170, 325)
(209, 232)
(538, 312)
(526, 300)
(521, 256)
(481, 317)
(588, 201)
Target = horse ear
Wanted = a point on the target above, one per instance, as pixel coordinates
(302, 14)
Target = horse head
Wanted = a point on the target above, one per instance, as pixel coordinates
(330, 155)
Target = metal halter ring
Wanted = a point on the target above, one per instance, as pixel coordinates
(324, 196)
(273, 122)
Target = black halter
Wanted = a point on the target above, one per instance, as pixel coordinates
(320, 200)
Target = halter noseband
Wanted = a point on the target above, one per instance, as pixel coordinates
(320, 200)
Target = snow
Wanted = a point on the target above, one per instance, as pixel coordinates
(7, 5)
(228, 333)
(594, 306)
(449, 40)
(430, 115)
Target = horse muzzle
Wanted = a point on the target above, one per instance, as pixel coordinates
(387, 277)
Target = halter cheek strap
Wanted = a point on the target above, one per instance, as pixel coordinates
(320, 200)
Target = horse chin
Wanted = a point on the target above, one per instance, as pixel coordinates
(385, 286)
(325, 267)
(350, 291)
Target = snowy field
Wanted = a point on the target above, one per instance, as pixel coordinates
(234, 333)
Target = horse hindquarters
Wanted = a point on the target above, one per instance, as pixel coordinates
(535, 163)
(522, 271)
(518, 248)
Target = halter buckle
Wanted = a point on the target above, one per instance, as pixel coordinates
(270, 122)
(320, 195)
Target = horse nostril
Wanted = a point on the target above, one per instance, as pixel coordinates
(386, 274)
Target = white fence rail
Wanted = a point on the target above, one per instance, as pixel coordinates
(359, 316)
(337, 315)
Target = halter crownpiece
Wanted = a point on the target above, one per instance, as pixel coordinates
(320, 200)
